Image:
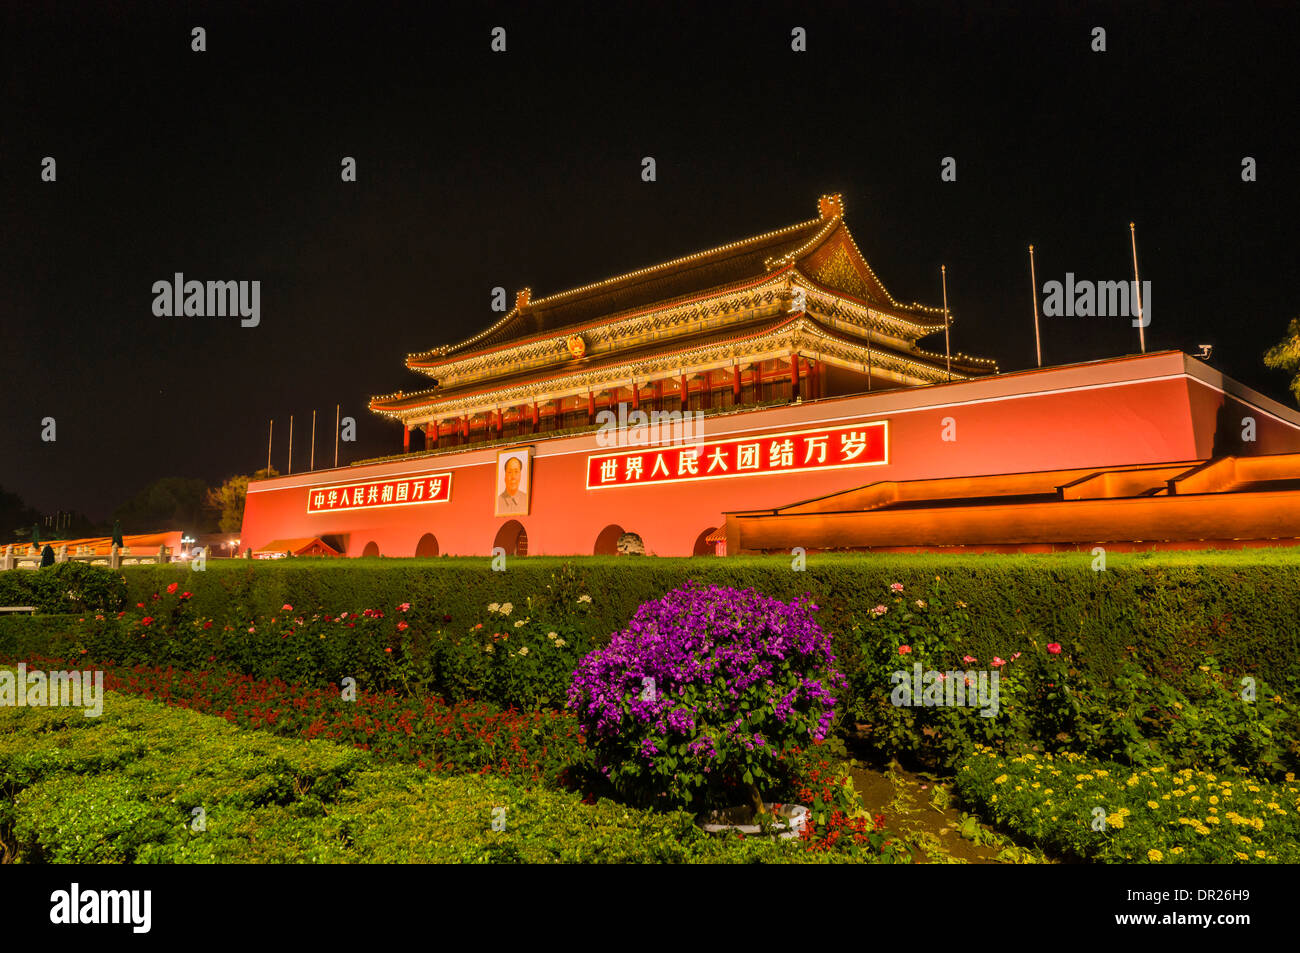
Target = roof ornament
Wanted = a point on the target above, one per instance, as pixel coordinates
(522, 298)
(828, 206)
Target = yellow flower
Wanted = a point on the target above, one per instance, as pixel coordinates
(1083, 777)
(1241, 856)
(1259, 853)
(1214, 799)
(1175, 850)
(1153, 805)
(1116, 821)
(999, 779)
(1155, 855)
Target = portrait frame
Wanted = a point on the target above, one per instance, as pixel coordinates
(500, 505)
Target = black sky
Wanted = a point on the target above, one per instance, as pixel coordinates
(478, 169)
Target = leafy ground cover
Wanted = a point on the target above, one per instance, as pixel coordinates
(1105, 811)
(128, 787)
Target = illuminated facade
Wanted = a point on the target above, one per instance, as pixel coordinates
(767, 371)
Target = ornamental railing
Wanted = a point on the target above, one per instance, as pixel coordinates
(16, 556)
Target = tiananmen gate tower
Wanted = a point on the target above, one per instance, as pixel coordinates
(771, 393)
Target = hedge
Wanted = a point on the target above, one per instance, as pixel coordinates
(64, 587)
(1242, 606)
(122, 788)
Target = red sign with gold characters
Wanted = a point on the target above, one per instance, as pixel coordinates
(833, 448)
(425, 488)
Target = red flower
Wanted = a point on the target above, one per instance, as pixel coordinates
(208, 624)
(147, 620)
(904, 650)
(172, 588)
(286, 608)
(1054, 648)
(404, 606)
(402, 626)
(388, 650)
(186, 595)
(139, 605)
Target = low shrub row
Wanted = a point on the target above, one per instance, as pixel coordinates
(145, 783)
(927, 686)
(534, 746)
(1105, 811)
(1174, 608)
(64, 587)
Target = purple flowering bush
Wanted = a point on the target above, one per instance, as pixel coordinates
(706, 694)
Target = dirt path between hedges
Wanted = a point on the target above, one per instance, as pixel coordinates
(920, 809)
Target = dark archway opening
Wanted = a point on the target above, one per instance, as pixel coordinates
(427, 546)
(512, 538)
(702, 546)
(372, 549)
(607, 541)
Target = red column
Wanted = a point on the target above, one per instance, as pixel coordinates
(464, 427)
(534, 416)
(500, 417)
(591, 407)
(735, 383)
(406, 439)
(431, 435)
(636, 396)
(685, 392)
(794, 376)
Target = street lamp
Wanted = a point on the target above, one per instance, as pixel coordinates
(187, 541)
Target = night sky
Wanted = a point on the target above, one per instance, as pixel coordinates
(523, 168)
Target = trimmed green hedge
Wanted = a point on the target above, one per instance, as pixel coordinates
(1243, 607)
(64, 587)
(122, 788)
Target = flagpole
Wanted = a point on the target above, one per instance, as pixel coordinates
(1033, 287)
(943, 270)
(269, 432)
(312, 464)
(336, 435)
(1137, 288)
(291, 443)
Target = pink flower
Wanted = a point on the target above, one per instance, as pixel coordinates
(286, 608)
(1054, 648)
(403, 607)
(904, 650)
(1016, 656)
(969, 658)
(252, 629)
(879, 610)
(997, 662)
(896, 586)
(402, 626)
(186, 595)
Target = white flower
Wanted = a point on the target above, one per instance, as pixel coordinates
(521, 622)
(506, 607)
(584, 598)
(551, 636)
(493, 607)
(524, 650)
(560, 643)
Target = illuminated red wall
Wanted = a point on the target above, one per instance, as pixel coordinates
(1150, 409)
